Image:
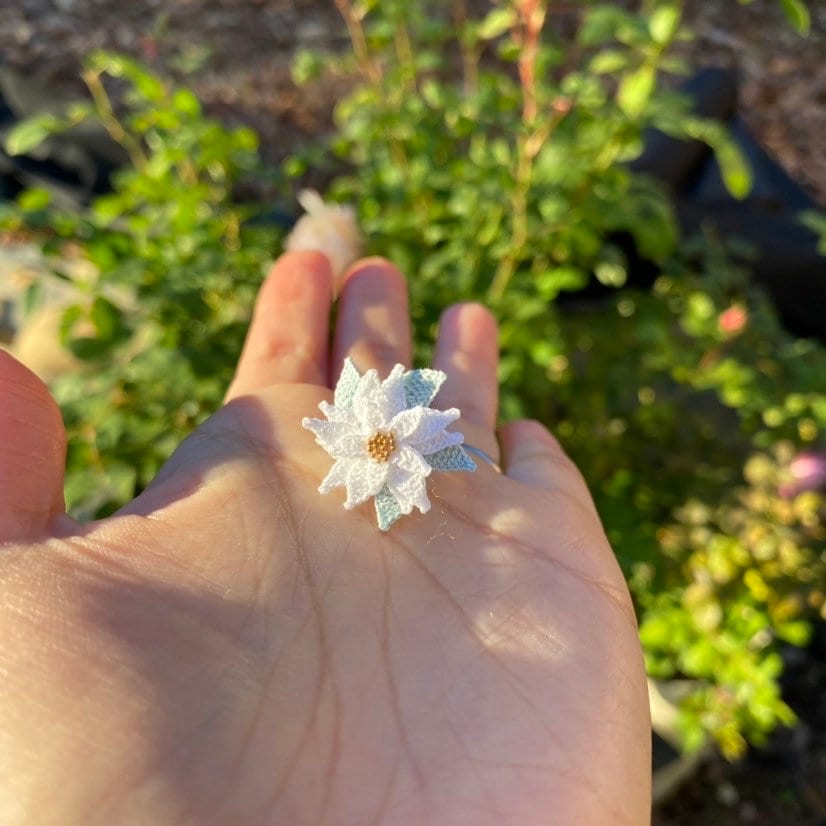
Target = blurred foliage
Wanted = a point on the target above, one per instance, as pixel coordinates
(173, 267)
(488, 157)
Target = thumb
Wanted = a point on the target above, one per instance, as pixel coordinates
(32, 454)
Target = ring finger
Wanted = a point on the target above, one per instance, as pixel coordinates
(467, 351)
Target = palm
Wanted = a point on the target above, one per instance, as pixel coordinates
(272, 658)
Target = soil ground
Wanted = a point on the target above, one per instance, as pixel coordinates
(236, 54)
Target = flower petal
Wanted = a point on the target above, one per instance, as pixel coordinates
(412, 461)
(394, 391)
(335, 413)
(338, 438)
(337, 477)
(410, 489)
(365, 479)
(370, 404)
(418, 424)
(439, 442)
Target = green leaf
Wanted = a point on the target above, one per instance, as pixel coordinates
(496, 23)
(420, 386)
(387, 509)
(798, 14)
(34, 200)
(734, 167)
(79, 111)
(306, 67)
(32, 297)
(147, 85)
(635, 90)
(108, 320)
(611, 273)
(451, 458)
(816, 222)
(553, 281)
(602, 24)
(31, 132)
(663, 24)
(609, 61)
(796, 632)
(71, 316)
(186, 103)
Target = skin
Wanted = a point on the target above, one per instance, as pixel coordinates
(234, 648)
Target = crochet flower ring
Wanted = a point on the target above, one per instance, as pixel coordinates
(386, 439)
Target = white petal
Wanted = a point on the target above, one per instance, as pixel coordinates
(411, 460)
(337, 438)
(337, 477)
(365, 479)
(335, 413)
(370, 403)
(393, 387)
(410, 489)
(439, 442)
(418, 424)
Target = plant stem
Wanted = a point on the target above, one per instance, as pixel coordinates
(532, 15)
(470, 56)
(369, 69)
(526, 33)
(404, 53)
(359, 41)
(113, 126)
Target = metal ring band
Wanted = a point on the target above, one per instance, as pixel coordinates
(475, 451)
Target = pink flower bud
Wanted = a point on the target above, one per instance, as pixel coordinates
(733, 320)
(807, 472)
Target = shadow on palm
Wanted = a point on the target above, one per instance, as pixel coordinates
(465, 647)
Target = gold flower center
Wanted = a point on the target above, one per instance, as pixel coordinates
(380, 446)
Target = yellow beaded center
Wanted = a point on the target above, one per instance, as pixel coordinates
(380, 446)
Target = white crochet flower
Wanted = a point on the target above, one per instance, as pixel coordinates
(385, 441)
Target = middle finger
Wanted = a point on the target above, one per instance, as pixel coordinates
(373, 327)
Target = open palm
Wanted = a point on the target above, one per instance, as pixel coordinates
(234, 648)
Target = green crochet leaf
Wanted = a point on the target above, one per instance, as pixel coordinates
(347, 384)
(387, 508)
(420, 386)
(451, 458)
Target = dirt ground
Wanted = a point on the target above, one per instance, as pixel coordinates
(236, 55)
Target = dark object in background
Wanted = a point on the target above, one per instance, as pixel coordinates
(74, 166)
(786, 261)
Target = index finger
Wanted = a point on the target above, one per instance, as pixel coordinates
(289, 333)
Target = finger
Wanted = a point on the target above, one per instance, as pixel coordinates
(289, 334)
(533, 456)
(32, 454)
(373, 326)
(467, 351)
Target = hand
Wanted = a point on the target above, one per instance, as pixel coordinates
(235, 648)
